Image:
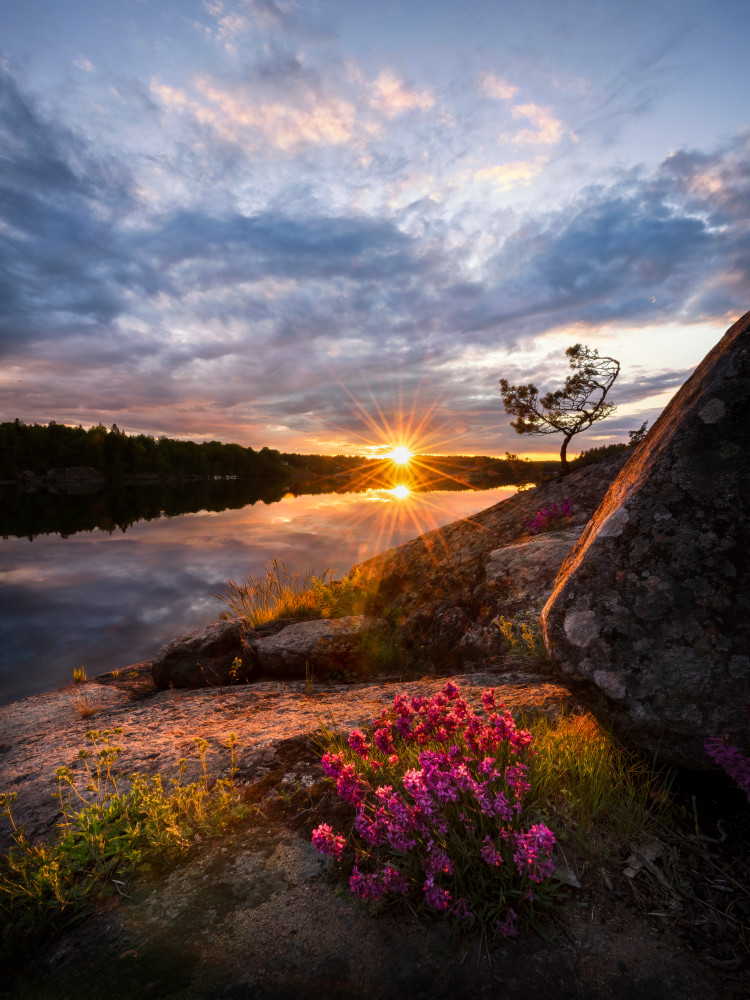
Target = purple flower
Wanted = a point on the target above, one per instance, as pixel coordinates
(393, 881)
(490, 854)
(327, 842)
(384, 741)
(732, 759)
(461, 909)
(508, 927)
(365, 886)
(532, 852)
(359, 743)
(437, 862)
(437, 898)
(332, 764)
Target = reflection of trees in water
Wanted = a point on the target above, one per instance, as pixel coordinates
(119, 505)
(116, 505)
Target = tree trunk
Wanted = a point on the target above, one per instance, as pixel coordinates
(563, 455)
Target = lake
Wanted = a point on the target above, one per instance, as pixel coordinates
(111, 596)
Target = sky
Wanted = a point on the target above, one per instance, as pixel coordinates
(332, 226)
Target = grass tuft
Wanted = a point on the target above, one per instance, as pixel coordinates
(79, 675)
(281, 594)
(83, 705)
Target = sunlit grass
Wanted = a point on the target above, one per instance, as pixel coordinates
(281, 594)
(593, 792)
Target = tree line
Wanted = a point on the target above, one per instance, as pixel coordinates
(38, 448)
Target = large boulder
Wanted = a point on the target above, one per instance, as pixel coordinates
(328, 648)
(650, 616)
(204, 657)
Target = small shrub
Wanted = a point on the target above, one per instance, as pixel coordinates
(109, 833)
(79, 675)
(439, 793)
(594, 455)
(550, 518)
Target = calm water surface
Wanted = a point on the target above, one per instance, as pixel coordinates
(107, 600)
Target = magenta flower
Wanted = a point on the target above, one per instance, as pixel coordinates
(359, 743)
(732, 759)
(508, 927)
(490, 854)
(327, 842)
(383, 740)
(462, 774)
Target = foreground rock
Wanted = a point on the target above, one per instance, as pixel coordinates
(204, 657)
(231, 652)
(650, 616)
(326, 648)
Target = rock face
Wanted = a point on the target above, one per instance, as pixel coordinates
(328, 647)
(203, 657)
(443, 583)
(528, 570)
(650, 615)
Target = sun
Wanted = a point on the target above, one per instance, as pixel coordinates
(401, 492)
(400, 455)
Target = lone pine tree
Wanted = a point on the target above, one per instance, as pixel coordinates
(570, 410)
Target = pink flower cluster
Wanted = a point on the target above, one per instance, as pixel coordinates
(550, 518)
(453, 800)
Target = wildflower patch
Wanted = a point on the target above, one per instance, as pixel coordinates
(439, 794)
(550, 518)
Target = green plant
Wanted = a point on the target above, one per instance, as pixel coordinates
(309, 680)
(112, 828)
(79, 675)
(523, 637)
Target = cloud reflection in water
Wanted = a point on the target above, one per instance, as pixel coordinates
(106, 601)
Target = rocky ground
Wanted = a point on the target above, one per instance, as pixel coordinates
(259, 914)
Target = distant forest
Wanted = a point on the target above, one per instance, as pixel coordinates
(114, 455)
(37, 448)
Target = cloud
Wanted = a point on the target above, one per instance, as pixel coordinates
(546, 130)
(281, 105)
(82, 63)
(391, 96)
(59, 208)
(646, 248)
(249, 312)
(496, 87)
(508, 175)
